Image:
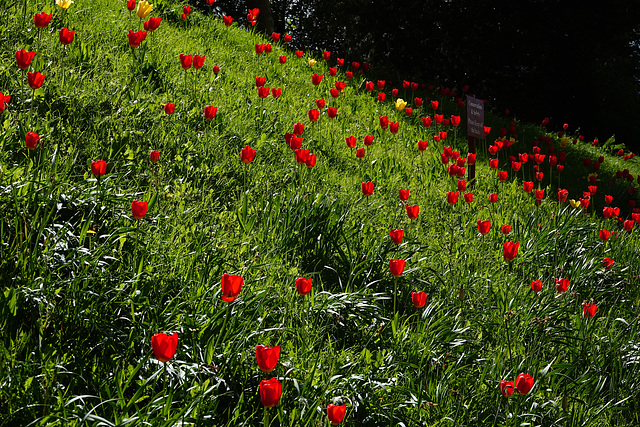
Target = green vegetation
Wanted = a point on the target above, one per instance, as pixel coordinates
(85, 286)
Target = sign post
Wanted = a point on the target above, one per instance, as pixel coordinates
(475, 129)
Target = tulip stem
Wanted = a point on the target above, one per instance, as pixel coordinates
(224, 325)
(395, 293)
(266, 416)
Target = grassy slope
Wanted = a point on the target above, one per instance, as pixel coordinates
(79, 308)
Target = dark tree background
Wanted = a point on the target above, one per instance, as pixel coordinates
(576, 62)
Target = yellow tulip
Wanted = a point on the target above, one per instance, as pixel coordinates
(312, 62)
(400, 104)
(64, 3)
(144, 9)
(575, 204)
(564, 142)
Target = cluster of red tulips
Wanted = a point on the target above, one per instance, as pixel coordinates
(165, 346)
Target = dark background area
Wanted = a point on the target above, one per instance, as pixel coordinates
(575, 62)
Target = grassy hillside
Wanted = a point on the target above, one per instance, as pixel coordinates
(86, 285)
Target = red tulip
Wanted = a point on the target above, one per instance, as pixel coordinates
(367, 188)
(282, 59)
(210, 112)
(493, 163)
(380, 84)
(471, 159)
(169, 108)
(198, 61)
(434, 105)
(452, 197)
(275, 36)
(336, 413)
(394, 126)
(468, 197)
(381, 97)
(260, 81)
(484, 227)
(396, 266)
(316, 78)
(227, 20)
(419, 299)
(422, 145)
(35, 80)
(462, 185)
(524, 383)
(351, 141)
(493, 197)
(333, 72)
(589, 310)
(186, 10)
(360, 153)
(24, 58)
(66, 36)
(396, 236)
(503, 175)
(295, 142)
(311, 161)
(270, 392)
(139, 209)
(131, 5)
(404, 194)
(334, 92)
(369, 86)
(417, 102)
(516, 166)
(412, 211)
(539, 194)
(536, 286)
(154, 156)
(320, 103)
(506, 229)
(98, 168)
(42, 19)
(562, 285)
(32, 140)
(510, 250)
(247, 154)
(314, 115)
(368, 140)
(604, 235)
(506, 388)
(137, 37)
(426, 121)
(528, 186)
(301, 155)
(438, 118)
(216, 70)
(267, 357)
(298, 129)
(259, 48)
(276, 92)
(303, 285)
(628, 224)
(384, 122)
(152, 24)
(287, 38)
(332, 112)
(231, 286)
(607, 263)
(185, 61)
(455, 121)
(164, 346)
(5, 98)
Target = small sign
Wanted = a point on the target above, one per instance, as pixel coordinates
(475, 117)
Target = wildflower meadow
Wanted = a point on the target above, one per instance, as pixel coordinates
(203, 225)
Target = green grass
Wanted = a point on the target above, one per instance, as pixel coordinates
(85, 286)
